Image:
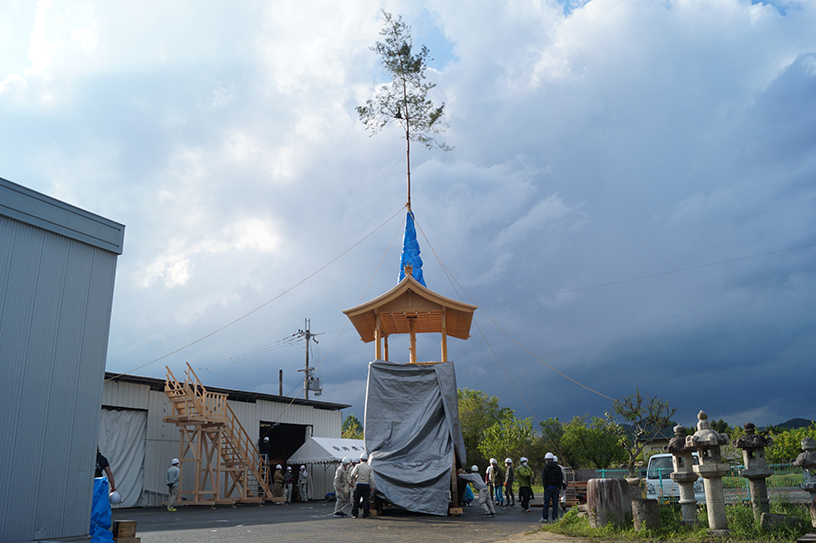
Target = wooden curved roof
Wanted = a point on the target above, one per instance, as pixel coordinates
(409, 300)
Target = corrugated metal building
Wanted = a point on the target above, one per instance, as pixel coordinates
(57, 270)
(139, 445)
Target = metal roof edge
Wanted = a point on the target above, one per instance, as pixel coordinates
(36, 209)
(232, 394)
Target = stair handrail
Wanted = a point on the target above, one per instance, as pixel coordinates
(177, 389)
(213, 405)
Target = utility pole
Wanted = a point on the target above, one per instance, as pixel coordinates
(307, 375)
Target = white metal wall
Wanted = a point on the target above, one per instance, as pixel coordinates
(55, 302)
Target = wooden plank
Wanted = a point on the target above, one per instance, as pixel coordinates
(124, 528)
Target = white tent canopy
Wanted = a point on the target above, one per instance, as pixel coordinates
(327, 450)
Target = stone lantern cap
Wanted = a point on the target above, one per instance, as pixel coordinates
(705, 437)
(751, 440)
(807, 458)
(677, 444)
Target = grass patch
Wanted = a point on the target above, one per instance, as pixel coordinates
(741, 524)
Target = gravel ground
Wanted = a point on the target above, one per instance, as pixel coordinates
(313, 521)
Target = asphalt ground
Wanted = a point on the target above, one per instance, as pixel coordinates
(314, 521)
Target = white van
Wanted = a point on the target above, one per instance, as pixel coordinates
(659, 484)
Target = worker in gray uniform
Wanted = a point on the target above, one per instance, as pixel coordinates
(342, 488)
(484, 494)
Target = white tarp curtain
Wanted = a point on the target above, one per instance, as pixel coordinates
(326, 450)
(122, 434)
(411, 427)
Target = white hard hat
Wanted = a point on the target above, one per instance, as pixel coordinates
(174, 461)
(266, 439)
(549, 456)
(364, 457)
(508, 460)
(302, 467)
(115, 497)
(289, 468)
(493, 461)
(523, 459)
(345, 460)
(555, 458)
(278, 467)
(474, 467)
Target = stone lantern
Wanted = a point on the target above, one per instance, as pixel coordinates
(712, 470)
(807, 461)
(683, 475)
(756, 469)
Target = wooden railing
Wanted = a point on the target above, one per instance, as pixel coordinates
(191, 399)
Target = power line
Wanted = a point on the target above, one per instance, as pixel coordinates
(242, 317)
(302, 386)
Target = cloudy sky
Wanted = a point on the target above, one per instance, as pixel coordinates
(631, 200)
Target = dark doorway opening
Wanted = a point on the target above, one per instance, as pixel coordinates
(284, 440)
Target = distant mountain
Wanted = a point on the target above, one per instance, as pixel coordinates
(793, 424)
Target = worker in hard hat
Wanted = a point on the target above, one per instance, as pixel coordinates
(509, 479)
(496, 483)
(484, 494)
(525, 477)
(277, 482)
(362, 477)
(553, 479)
(342, 487)
(172, 480)
(288, 481)
(303, 484)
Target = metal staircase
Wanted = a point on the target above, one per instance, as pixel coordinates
(227, 466)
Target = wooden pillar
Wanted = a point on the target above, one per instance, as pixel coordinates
(412, 348)
(444, 336)
(385, 341)
(377, 336)
(454, 508)
(454, 483)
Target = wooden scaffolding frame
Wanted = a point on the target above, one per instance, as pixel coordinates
(212, 442)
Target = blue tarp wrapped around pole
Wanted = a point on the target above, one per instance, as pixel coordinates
(410, 251)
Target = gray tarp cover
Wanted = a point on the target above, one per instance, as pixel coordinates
(411, 427)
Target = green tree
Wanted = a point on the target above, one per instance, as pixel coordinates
(510, 437)
(477, 413)
(787, 444)
(552, 432)
(643, 417)
(351, 428)
(722, 427)
(405, 99)
(595, 444)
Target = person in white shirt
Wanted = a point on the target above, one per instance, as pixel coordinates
(362, 477)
